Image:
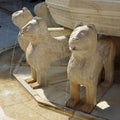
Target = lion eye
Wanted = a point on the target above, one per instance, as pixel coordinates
(28, 28)
(76, 38)
(82, 33)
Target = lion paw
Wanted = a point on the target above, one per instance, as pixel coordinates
(30, 80)
(87, 108)
(35, 85)
(71, 103)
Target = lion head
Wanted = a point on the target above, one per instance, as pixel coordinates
(21, 17)
(83, 40)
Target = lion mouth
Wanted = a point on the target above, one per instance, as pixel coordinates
(72, 48)
(77, 49)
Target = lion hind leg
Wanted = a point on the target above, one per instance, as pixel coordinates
(109, 66)
(109, 73)
(41, 77)
(74, 95)
(90, 102)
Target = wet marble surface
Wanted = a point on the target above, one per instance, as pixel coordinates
(15, 102)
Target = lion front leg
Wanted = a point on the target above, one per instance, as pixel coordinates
(90, 101)
(33, 78)
(74, 95)
(40, 80)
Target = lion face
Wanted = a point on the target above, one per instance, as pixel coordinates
(21, 17)
(83, 40)
(35, 30)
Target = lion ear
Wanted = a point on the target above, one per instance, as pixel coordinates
(24, 9)
(92, 26)
(78, 24)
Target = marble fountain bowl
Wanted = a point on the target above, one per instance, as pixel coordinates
(104, 14)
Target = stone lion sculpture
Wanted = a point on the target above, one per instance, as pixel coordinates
(42, 50)
(21, 18)
(88, 58)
